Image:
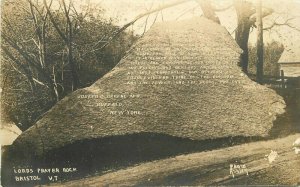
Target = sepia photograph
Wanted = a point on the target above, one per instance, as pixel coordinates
(149, 93)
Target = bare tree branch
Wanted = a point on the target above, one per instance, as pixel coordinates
(155, 19)
(265, 13)
(39, 32)
(69, 37)
(56, 26)
(185, 12)
(117, 32)
(285, 23)
(28, 73)
(146, 23)
(34, 79)
(27, 57)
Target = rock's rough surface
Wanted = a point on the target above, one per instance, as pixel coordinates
(180, 79)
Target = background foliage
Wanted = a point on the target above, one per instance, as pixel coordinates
(272, 54)
(24, 101)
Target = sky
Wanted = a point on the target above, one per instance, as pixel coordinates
(126, 10)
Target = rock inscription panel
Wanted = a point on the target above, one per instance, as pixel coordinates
(181, 79)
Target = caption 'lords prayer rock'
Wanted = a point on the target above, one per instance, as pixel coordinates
(181, 79)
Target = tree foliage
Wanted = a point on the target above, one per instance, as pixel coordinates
(272, 54)
(49, 51)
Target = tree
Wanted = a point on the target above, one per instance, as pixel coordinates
(245, 21)
(66, 36)
(260, 44)
(31, 54)
(244, 11)
(272, 53)
(28, 90)
(39, 65)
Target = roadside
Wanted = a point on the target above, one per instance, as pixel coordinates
(211, 168)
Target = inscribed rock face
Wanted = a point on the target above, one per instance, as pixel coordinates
(181, 79)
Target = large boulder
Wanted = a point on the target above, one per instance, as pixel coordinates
(181, 79)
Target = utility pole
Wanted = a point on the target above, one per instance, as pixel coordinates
(260, 44)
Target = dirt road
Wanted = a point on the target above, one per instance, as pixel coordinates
(212, 168)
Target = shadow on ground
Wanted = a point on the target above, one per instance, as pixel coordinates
(98, 156)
